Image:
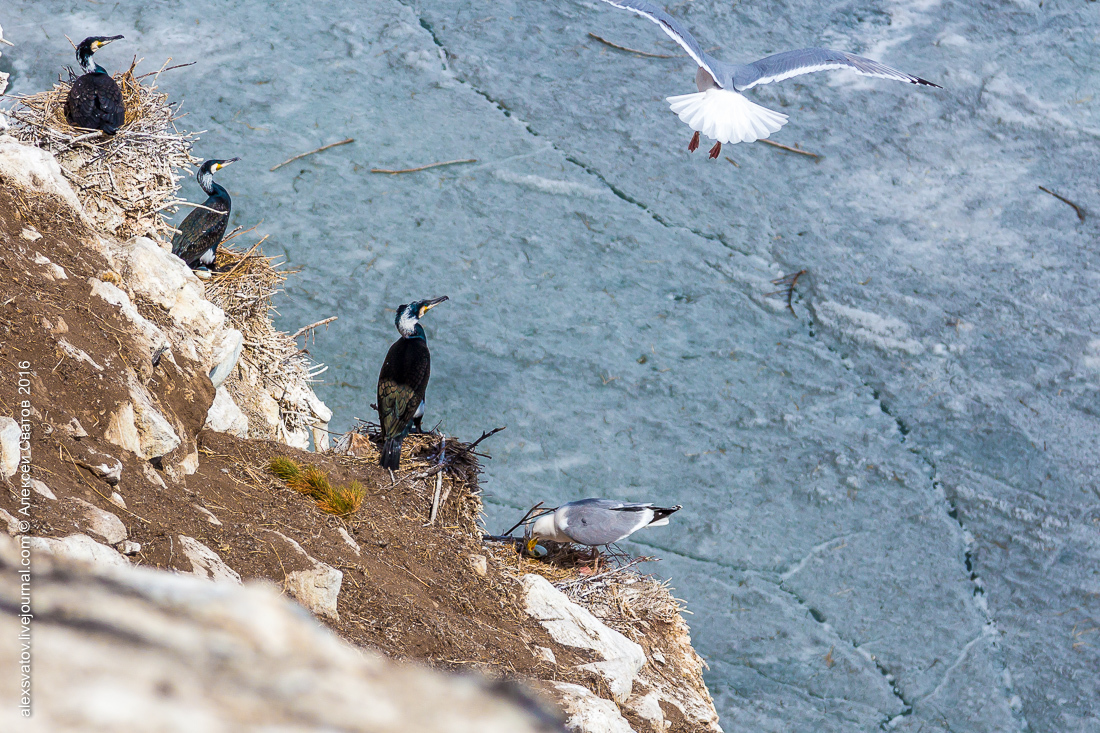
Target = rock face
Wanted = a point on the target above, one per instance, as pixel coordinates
(317, 586)
(588, 713)
(148, 650)
(9, 446)
(572, 625)
(205, 563)
(225, 417)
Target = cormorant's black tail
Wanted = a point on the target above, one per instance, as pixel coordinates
(660, 513)
(391, 454)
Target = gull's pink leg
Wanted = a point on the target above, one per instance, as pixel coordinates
(715, 151)
(694, 144)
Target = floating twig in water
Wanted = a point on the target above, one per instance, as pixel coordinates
(1080, 211)
(423, 167)
(789, 149)
(788, 291)
(303, 329)
(311, 152)
(633, 50)
(732, 162)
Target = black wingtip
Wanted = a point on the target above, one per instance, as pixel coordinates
(926, 83)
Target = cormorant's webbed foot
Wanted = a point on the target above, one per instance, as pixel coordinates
(715, 151)
(694, 144)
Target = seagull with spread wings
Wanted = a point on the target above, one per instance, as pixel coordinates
(719, 110)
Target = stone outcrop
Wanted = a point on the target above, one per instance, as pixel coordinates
(571, 625)
(139, 649)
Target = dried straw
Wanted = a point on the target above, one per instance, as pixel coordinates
(124, 181)
(243, 285)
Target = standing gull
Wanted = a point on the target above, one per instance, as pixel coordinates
(718, 110)
(595, 522)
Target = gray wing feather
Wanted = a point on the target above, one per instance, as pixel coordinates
(672, 27)
(602, 521)
(808, 60)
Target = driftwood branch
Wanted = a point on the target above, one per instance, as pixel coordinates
(311, 152)
(789, 149)
(788, 281)
(423, 167)
(303, 329)
(1080, 211)
(188, 203)
(632, 50)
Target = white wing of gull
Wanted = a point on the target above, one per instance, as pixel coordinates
(598, 521)
(718, 110)
(808, 60)
(672, 27)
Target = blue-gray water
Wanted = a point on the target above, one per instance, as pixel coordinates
(891, 500)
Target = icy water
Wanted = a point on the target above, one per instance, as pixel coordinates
(891, 497)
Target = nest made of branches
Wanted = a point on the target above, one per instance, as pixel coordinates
(243, 284)
(125, 180)
(428, 460)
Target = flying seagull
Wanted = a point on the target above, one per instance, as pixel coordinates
(595, 522)
(718, 110)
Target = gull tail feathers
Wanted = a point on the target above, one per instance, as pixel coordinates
(726, 116)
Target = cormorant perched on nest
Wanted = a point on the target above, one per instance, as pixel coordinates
(402, 381)
(95, 101)
(201, 232)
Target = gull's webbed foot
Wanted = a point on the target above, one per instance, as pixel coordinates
(694, 144)
(715, 151)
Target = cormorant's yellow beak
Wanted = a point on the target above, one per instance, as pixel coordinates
(227, 163)
(429, 305)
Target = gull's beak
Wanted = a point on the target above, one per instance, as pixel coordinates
(531, 545)
(430, 304)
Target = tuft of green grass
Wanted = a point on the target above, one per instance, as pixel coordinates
(314, 483)
(342, 500)
(284, 468)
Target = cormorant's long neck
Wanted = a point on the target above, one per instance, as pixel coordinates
(211, 188)
(416, 333)
(85, 61)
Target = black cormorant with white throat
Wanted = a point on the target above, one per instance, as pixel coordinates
(403, 380)
(95, 101)
(201, 232)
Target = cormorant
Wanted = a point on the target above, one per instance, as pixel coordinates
(403, 379)
(201, 232)
(95, 101)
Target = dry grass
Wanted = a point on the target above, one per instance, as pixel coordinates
(243, 285)
(314, 483)
(124, 181)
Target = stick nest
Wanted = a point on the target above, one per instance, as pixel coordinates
(243, 285)
(125, 180)
(424, 458)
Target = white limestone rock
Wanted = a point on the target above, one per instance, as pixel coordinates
(101, 522)
(53, 271)
(122, 430)
(9, 447)
(224, 416)
(42, 490)
(205, 563)
(105, 466)
(217, 658)
(316, 588)
(349, 541)
(588, 713)
(10, 522)
(80, 548)
(225, 355)
(148, 332)
(34, 169)
(572, 625)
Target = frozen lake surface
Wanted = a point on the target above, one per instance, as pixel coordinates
(892, 497)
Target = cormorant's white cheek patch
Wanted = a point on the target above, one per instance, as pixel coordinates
(726, 116)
